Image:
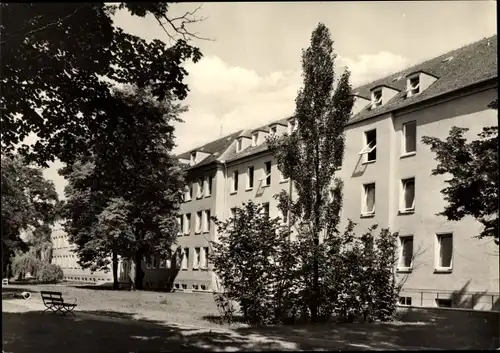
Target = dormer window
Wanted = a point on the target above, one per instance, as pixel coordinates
(376, 98)
(255, 139)
(273, 131)
(413, 86)
(292, 125)
(193, 157)
(239, 145)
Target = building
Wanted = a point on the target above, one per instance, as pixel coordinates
(63, 255)
(387, 180)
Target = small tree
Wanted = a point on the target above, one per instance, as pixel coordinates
(246, 260)
(311, 155)
(472, 189)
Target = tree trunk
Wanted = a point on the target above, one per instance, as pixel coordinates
(139, 273)
(116, 283)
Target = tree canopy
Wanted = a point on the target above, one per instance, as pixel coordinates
(60, 61)
(29, 202)
(472, 189)
(123, 198)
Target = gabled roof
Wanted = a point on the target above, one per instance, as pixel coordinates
(471, 64)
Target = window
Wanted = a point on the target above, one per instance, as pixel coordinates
(282, 177)
(200, 191)
(195, 286)
(406, 254)
(197, 228)
(410, 137)
(153, 261)
(265, 209)
(233, 212)
(413, 86)
(209, 181)
(187, 223)
(204, 258)
(239, 144)
(273, 131)
(168, 259)
(235, 181)
(444, 251)
(206, 221)
(370, 149)
(162, 262)
(369, 199)
(196, 260)
(443, 303)
(268, 173)
(250, 177)
(177, 285)
(376, 98)
(406, 301)
(255, 138)
(407, 202)
(193, 157)
(292, 125)
(284, 217)
(188, 192)
(147, 260)
(184, 286)
(185, 259)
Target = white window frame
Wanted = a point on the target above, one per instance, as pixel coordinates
(187, 224)
(402, 199)
(412, 90)
(376, 102)
(200, 188)
(180, 221)
(273, 131)
(239, 144)
(193, 157)
(196, 258)
(232, 212)
(266, 174)
(255, 139)
(364, 212)
(248, 187)
(187, 193)
(198, 222)
(264, 204)
(438, 267)
(185, 259)
(204, 257)
(401, 261)
(207, 214)
(235, 185)
(368, 147)
(208, 186)
(405, 301)
(403, 146)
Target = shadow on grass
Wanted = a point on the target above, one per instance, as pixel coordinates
(216, 319)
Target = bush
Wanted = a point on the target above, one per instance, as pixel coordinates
(50, 273)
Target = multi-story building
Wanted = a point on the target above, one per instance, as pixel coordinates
(387, 179)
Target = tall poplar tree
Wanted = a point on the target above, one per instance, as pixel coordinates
(311, 154)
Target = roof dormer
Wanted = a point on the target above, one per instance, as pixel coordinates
(258, 136)
(418, 82)
(359, 104)
(381, 95)
(197, 156)
(292, 125)
(277, 129)
(242, 142)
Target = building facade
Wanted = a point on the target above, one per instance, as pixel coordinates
(387, 179)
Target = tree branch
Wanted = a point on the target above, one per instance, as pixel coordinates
(180, 28)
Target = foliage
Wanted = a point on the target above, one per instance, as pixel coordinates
(29, 202)
(311, 155)
(472, 189)
(246, 259)
(123, 199)
(60, 61)
(26, 263)
(50, 273)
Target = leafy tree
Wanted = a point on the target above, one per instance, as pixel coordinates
(246, 259)
(311, 155)
(60, 61)
(472, 189)
(123, 199)
(29, 202)
(24, 263)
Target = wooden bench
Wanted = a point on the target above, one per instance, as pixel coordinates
(54, 301)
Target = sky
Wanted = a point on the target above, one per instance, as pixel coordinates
(251, 66)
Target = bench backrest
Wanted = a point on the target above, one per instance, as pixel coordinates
(52, 297)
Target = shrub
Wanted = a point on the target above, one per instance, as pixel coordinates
(50, 273)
